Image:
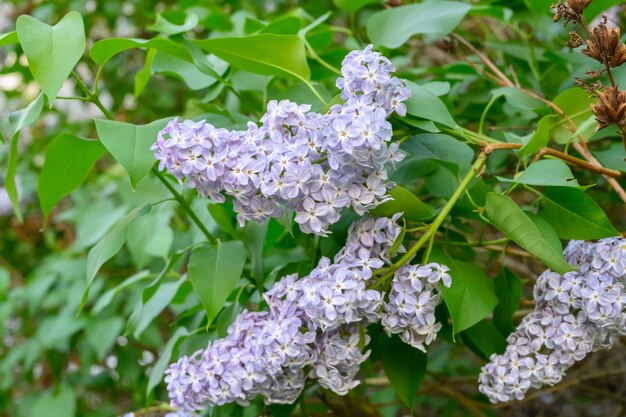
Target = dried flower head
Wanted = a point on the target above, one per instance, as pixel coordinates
(610, 107)
(604, 46)
(578, 6)
(567, 12)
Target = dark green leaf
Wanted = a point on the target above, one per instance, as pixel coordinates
(266, 54)
(405, 368)
(471, 296)
(504, 214)
(575, 103)
(484, 339)
(130, 144)
(9, 179)
(68, 161)
(150, 309)
(394, 26)
(509, 292)
(52, 51)
(540, 138)
(353, 6)
(575, 215)
(289, 25)
(545, 172)
(406, 202)
(214, 271)
(613, 156)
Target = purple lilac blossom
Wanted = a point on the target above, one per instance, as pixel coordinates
(577, 313)
(314, 329)
(316, 164)
(311, 330)
(410, 311)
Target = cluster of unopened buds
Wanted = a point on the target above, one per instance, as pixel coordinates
(575, 314)
(315, 164)
(314, 327)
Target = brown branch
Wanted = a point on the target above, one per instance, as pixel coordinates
(580, 146)
(490, 147)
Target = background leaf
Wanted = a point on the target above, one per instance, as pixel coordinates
(509, 290)
(545, 172)
(406, 202)
(394, 26)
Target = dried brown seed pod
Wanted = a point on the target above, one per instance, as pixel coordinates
(604, 46)
(610, 107)
(575, 40)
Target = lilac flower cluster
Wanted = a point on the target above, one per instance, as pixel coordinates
(313, 329)
(310, 330)
(410, 311)
(575, 314)
(311, 163)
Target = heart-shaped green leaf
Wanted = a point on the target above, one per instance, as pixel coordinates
(130, 144)
(52, 51)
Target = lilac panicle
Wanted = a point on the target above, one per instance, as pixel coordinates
(315, 164)
(575, 314)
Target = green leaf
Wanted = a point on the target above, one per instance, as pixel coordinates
(52, 51)
(102, 332)
(393, 27)
(471, 296)
(612, 157)
(189, 73)
(548, 232)
(405, 368)
(223, 218)
(58, 401)
(166, 27)
(150, 309)
(546, 172)
(484, 339)
(130, 144)
(106, 49)
(214, 271)
(8, 38)
(289, 25)
(9, 179)
(157, 371)
(574, 214)
(27, 116)
(69, 159)
(509, 290)
(540, 138)
(105, 299)
(406, 202)
(353, 6)
(265, 54)
(504, 214)
(226, 318)
(255, 235)
(575, 102)
(110, 244)
(451, 153)
(427, 105)
(517, 99)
